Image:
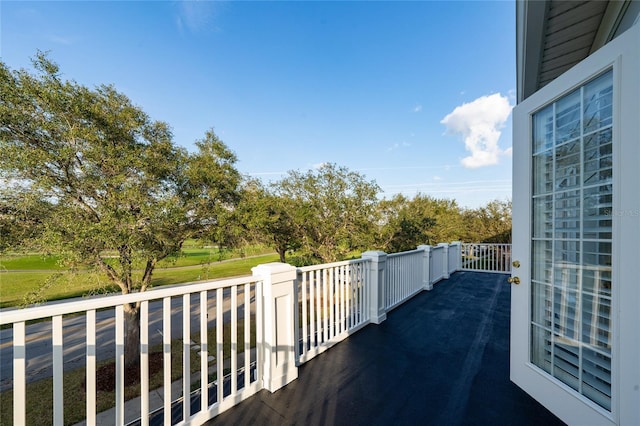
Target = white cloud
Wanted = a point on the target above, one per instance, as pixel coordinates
(437, 178)
(479, 122)
(417, 108)
(195, 15)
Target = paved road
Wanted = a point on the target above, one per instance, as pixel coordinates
(39, 345)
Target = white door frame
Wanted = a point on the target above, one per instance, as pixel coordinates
(623, 56)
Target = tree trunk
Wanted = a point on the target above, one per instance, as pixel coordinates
(131, 335)
(282, 253)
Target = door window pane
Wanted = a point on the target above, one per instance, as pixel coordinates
(543, 173)
(543, 214)
(568, 118)
(543, 130)
(571, 287)
(598, 101)
(598, 157)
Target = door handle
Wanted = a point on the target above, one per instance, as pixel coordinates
(514, 280)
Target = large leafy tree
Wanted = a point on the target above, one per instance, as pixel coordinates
(422, 219)
(403, 226)
(264, 216)
(332, 210)
(490, 223)
(113, 180)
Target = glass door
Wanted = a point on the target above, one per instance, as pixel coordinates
(572, 169)
(575, 343)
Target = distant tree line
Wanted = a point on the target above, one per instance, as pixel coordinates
(332, 213)
(85, 173)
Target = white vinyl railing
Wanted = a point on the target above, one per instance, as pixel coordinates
(332, 303)
(480, 257)
(210, 313)
(404, 276)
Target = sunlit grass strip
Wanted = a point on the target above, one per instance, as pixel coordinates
(16, 286)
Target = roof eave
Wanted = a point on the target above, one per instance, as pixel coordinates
(530, 17)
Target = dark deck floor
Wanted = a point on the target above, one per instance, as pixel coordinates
(442, 358)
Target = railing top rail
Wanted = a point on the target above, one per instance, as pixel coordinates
(9, 316)
(486, 244)
(331, 265)
(405, 253)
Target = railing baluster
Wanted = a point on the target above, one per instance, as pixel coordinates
(318, 285)
(353, 280)
(259, 333)
(219, 345)
(19, 374)
(58, 386)
(204, 351)
(186, 357)
(234, 339)
(247, 336)
(144, 363)
(363, 296)
(305, 338)
(119, 364)
(313, 340)
(166, 365)
(325, 305)
(344, 284)
(331, 301)
(90, 389)
(336, 301)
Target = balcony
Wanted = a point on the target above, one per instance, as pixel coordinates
(422, 337)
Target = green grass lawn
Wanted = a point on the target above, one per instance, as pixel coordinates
(29, 262)
(15, 286)
(190, 255)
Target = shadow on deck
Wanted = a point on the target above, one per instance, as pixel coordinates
(442, 358)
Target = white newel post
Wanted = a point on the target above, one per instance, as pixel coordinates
(377, 313)
(445, 259)
(455, 249)
(279, 300)
(426, 261)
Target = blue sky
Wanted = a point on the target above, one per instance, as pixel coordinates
(414, 95)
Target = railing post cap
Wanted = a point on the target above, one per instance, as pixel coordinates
(371, 254)
(424, 247)
(283, 270)
(443, 244)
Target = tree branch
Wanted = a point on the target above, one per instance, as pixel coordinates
(148, 271)
(112, 274)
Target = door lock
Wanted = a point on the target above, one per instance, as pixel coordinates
(514, 280)
(516, 263)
